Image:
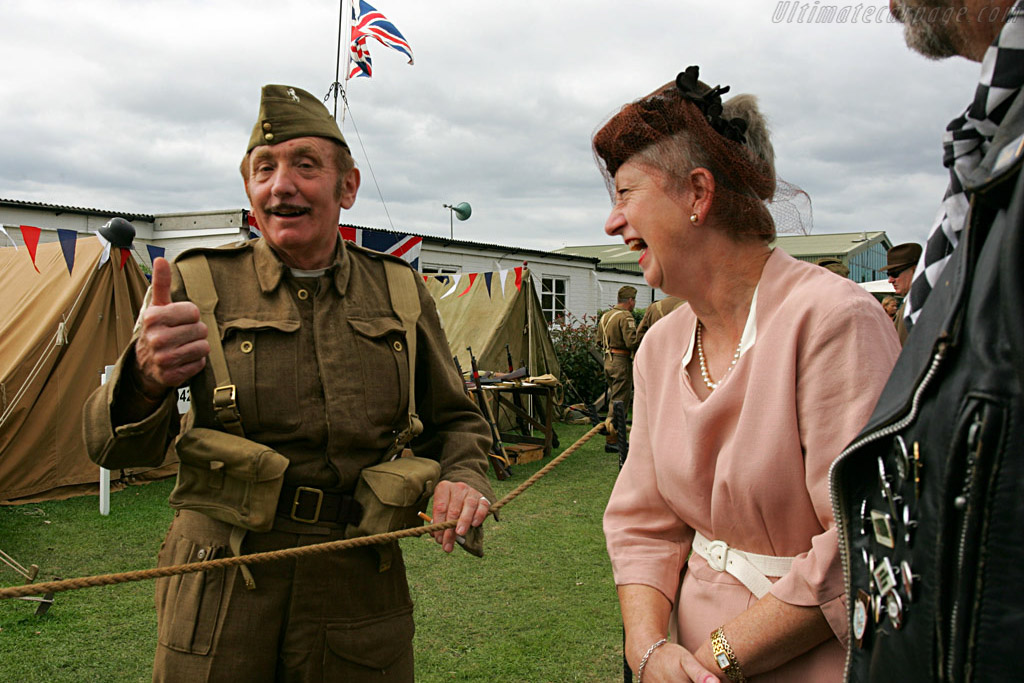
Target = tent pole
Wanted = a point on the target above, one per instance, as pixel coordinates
(529, 333)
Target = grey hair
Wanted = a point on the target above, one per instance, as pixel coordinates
(759, 140)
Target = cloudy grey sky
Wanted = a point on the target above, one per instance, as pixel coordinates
(145, 106)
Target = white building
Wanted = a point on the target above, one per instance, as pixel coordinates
(568, 284)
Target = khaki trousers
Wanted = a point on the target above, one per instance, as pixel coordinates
(619, 371)
(324, 617)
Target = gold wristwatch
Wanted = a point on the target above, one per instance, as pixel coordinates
(725, 657)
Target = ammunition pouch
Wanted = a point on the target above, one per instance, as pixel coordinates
(228, 478)
(392, 493)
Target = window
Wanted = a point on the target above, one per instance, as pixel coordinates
(434, 269)
(552, 298)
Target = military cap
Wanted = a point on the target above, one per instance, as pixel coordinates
(287, 113)
(835, 265)
(626, 292)
(903, 256)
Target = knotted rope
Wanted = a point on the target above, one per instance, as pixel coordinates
(285, 553)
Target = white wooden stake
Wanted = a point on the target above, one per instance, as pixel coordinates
(104, 472)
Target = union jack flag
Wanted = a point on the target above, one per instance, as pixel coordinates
(367, 22)
(406, 247)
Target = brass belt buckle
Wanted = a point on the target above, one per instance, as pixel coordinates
(295, 504)
(224, 396)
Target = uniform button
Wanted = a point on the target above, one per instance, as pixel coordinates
(267, 126)
(268, 137)
(246, 347)
(303, 294)
(397, 346)
(201, 554)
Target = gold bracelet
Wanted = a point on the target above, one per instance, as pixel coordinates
(725, 657)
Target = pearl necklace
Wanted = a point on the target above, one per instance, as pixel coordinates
(705, 375)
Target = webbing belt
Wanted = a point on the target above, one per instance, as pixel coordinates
(406, 304)
(195, 273)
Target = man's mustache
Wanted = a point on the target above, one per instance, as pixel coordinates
(287, 209)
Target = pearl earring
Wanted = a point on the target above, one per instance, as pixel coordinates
(693, 218)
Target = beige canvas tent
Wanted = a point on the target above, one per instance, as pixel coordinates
(489, 310)
(57, 332)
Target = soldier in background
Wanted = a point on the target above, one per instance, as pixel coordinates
(836, 266)
(655, 312)
(616, 334)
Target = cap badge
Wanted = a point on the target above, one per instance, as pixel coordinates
(291, 93)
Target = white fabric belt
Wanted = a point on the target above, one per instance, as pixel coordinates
(752, 570)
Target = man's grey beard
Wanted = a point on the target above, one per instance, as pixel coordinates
(933, 39)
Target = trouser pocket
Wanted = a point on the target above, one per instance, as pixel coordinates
(370, 649)
(188, 606)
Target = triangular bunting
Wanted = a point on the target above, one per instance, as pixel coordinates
(454, 285)
(106, 249)
(472, 279)
(487, 281)
(124, 257)
(443, 279)
(426, 278)
(68, 242)
(155, 252)
(502, 275)
(519, 278)
(31, 237)
(4, 231)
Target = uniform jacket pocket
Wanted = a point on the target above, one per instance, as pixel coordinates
(188, 606)
(381, 348)
(262, 356)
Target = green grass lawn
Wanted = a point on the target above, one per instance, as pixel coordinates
(539, 607)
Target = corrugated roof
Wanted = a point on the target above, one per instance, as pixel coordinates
(76, 209)
(609, 254)
(840, 243)
(828, 244)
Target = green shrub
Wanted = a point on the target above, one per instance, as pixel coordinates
(572, 337)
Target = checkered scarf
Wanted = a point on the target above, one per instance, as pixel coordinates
(965, 143)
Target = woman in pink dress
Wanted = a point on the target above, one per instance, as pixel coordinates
(743, 398)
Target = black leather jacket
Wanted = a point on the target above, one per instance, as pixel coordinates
(929, 499)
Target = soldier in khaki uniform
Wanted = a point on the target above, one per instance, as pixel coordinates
(616, 334)
(655, 312)
(320, 363)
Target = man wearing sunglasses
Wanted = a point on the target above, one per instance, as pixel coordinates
(901, 261)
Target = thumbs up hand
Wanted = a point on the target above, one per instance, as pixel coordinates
(172, 345)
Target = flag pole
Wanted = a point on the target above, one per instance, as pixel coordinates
(346, 10)
(344, 14)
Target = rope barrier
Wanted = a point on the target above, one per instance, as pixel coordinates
(286, 553)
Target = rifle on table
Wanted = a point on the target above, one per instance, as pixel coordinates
(462, 377)
(498, 458)
(517, 400)
(518, 373)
